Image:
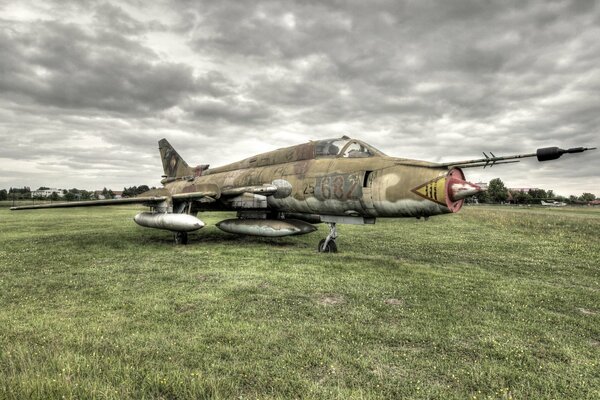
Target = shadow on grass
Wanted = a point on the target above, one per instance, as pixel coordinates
(161, 238)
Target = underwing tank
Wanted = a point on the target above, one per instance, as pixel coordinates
(266, 227)
(170, 222)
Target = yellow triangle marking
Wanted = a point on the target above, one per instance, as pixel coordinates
(434, 190)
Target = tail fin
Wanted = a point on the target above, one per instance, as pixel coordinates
(173, 165)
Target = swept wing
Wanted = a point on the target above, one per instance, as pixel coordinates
(109, 202)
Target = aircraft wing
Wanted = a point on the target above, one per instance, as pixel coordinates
(92, 203)
(202, 192)
(543, 154)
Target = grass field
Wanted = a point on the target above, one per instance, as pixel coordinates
(493, 302)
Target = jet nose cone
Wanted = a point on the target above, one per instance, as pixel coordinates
(460, 189)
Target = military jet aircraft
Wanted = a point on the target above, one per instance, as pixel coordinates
(286, 191)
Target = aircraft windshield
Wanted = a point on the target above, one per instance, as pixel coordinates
(345, 147)
(356, 150)
(330, 147)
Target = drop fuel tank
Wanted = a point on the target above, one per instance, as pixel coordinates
(170, 222)
(266, 227)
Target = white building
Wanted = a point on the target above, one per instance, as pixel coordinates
(47, 193)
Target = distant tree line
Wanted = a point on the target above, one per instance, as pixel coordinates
(68, 194)
(15, 193)
(135, 190)
(498, 193)
(73, 194)
(108, 194)
(131, 191)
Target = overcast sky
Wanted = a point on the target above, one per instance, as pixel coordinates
(87, 88)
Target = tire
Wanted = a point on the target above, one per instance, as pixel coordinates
(181, 238)
(331, 247)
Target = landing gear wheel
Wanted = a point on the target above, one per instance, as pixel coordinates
(328, 245)
(181, 238)
(331, 247)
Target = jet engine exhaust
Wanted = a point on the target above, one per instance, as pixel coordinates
(460, 189)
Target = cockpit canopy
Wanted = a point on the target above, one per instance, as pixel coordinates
(328, 148)
(346, 148)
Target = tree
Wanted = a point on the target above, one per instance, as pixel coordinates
(562, 199)
(20, 193)
(143, 188)
(23, 190)
(482, 197)
(587, 197)
(70, 196)
(497, 192)
(54, 196)
(521, 197)
(108, 194)
(538, 194)
(3, 194)
(572, 199)
(134, 190)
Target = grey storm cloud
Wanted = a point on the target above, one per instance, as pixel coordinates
(61, 65)
(88, 83)
(112, 18)
(229, 110)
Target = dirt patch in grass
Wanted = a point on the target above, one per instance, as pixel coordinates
(394, 302)
(185, 308)
(585, 311)
(207, 278)
(331, 300)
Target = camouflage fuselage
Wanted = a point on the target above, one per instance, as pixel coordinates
(378, 186)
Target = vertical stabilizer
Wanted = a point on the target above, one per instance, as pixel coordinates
(173, 165)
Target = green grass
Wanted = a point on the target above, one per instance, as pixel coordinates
(493, 302)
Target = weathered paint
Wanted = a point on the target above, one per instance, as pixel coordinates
(266, 227)
(332, 185)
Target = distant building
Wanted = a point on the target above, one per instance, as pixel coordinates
(482, 185)
(522, 190)
(594, 203)
(47, 193)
